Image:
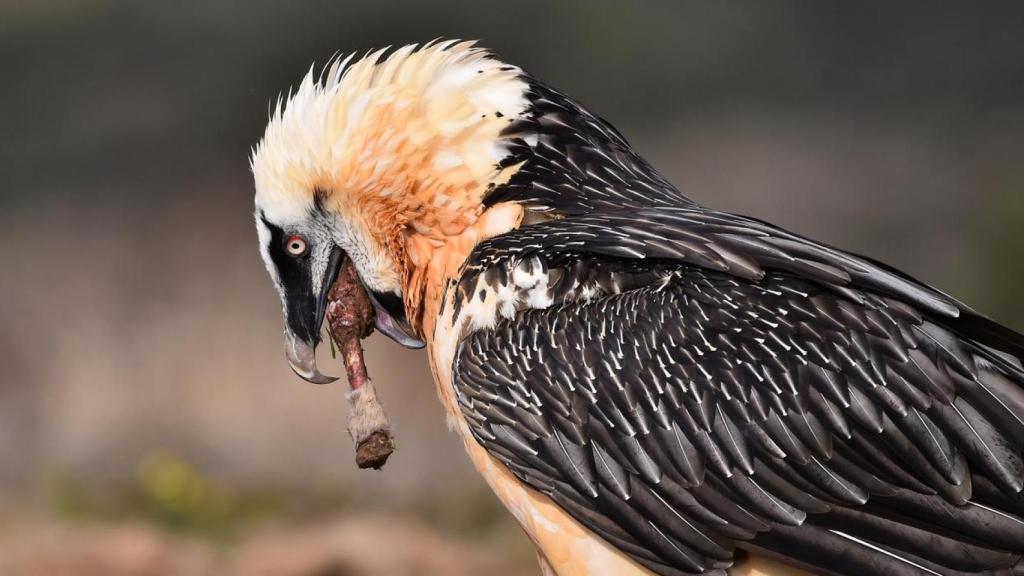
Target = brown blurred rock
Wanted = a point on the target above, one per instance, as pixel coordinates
(46, 548)
(348, 546)
(363, 546)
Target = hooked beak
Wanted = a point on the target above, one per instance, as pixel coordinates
(306, 314)
(301, 349)
(302, 359)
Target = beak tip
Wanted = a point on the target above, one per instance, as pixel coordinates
(302, 360)
(314, 377)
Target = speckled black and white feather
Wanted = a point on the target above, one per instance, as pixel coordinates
(687, 383)
(575, 162)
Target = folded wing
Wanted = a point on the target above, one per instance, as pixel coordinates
(703, 382)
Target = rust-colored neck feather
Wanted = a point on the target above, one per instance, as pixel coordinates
(403, 149)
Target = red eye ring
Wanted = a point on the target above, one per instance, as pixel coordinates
(295, 245)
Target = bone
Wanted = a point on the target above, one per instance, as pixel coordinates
(349, 320)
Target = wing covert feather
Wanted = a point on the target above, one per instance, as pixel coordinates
(739, 389)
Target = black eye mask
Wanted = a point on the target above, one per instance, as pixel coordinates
(296, 282)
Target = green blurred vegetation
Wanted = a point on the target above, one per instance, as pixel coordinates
(998, 253)
(173, 494)
(466, 509)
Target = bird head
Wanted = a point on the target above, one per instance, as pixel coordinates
(379, 160)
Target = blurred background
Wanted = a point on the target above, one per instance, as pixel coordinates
(148, 421)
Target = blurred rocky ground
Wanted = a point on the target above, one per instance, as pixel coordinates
(173, 520)
(370, 545)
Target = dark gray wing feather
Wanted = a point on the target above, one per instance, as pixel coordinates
(706, 382)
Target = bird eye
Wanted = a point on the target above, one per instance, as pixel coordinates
(295, 245)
